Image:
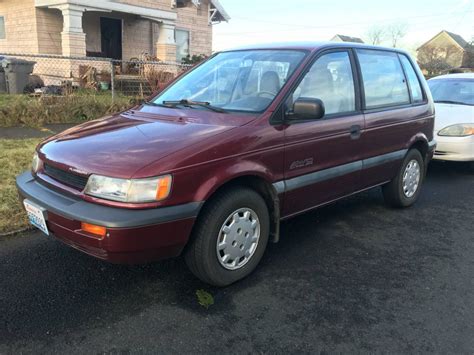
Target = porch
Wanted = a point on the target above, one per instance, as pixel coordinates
(108, 29)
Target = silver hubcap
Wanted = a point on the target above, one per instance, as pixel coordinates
(238, 238)
(411, 178)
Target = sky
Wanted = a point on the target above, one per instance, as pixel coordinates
(264, 21)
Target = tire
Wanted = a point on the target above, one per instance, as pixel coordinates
(394, 192)
(202, 255)
(470, 166)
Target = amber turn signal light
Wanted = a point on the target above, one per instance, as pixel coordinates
(93, 229)
(164, 187)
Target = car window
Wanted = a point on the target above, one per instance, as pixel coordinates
(245, 80)
(413, 82)
(383, 79)
(330, 80)
(454, 91)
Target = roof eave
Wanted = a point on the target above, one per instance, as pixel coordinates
(220, 9)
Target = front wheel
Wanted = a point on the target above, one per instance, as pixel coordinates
(229, 238)
(404, 189)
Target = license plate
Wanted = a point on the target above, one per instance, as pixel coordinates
(36, 215)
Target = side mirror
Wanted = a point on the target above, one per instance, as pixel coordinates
(305, 108)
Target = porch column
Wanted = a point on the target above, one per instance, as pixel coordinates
(166, 44)
(73, 37)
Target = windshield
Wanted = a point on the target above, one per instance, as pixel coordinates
(455, 91)
(236, 81)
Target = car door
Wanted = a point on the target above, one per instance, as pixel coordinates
(322, 157)
(395, 108)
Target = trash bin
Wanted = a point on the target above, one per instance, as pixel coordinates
(3, 83)
(17, 73)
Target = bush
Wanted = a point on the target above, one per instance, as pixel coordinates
(75, 108)
(196, 58)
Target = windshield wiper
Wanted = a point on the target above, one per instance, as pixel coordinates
(151, 103)
(189, 103)
(452, 102)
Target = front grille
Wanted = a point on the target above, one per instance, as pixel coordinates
(65, 177)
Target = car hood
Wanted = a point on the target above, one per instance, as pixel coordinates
(449, 114)
(121, 145)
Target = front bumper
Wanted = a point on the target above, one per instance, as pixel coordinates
(133, 236)
(455, 148)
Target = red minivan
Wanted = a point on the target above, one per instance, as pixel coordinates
(210, 166)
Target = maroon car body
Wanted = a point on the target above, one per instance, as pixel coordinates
(298, 166)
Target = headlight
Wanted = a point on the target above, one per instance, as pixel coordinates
(129, 190)
(35, 164)
(458, 130)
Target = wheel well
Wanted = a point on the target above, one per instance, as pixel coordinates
(422, 147)
(264, 189)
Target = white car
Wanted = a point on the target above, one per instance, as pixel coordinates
(453, 95)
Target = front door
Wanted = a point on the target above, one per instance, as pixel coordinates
(111, 37)
(322, 157)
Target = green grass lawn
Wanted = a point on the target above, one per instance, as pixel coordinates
(15, 157)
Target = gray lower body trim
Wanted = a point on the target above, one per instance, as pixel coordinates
(322, 175)
(77, 209)
(341, 170)
(383, 159)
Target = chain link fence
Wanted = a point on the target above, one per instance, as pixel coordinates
(60, 75)
(75, 89)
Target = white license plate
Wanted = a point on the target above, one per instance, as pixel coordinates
(36, 215)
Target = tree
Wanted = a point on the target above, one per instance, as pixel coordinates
(397, 31)
(434, 60)
(376, 34)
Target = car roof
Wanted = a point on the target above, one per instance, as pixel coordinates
(454, 76)
(312, 46)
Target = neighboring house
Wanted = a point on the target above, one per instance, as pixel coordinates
(121, 29)
(443, 52)
(342, 38)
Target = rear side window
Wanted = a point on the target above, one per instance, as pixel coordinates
(413, 82)
(383, 79)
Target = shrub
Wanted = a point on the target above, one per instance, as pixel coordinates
(75, 108)
(196, 58)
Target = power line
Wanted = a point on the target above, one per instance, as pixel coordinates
(336, 25)
(353, 23)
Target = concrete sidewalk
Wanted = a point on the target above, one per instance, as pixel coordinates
(30, 132)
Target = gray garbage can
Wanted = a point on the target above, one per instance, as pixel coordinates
(17, 73)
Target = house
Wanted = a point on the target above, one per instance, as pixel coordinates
(445, 51)
(120, 29)
(342, 38)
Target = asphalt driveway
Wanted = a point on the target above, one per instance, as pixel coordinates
(353, 276)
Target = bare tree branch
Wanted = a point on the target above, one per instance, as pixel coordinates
(376, 34)
(397, 31)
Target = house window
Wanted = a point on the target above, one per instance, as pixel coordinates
(182, 44)
(2, 27)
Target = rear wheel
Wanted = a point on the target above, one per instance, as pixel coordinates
(470, 166)
(404, 189)
(230, 237)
